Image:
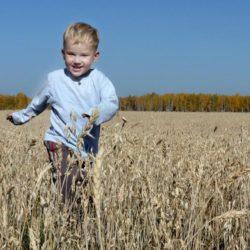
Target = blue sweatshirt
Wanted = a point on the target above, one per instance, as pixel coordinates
(71, 98)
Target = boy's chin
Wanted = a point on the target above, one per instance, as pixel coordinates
(76, 75)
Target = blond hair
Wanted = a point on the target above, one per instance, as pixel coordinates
(82, 33)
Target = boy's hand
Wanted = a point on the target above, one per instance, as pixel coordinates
(10, 118)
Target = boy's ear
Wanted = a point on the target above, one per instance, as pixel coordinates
(97, 55)
(63, 53)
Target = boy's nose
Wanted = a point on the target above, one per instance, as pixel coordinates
(77, 59)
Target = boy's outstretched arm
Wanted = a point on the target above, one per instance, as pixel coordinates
(37, 105)
(109, 104)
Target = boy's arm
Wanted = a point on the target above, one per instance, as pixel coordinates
(37, 105)
(109, 103)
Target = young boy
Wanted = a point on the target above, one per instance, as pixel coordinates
(73, 93)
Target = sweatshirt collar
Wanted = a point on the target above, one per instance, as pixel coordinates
(78, 79)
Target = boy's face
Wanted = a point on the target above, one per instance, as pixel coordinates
(78, 57)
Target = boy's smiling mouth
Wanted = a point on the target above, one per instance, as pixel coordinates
(76, 67)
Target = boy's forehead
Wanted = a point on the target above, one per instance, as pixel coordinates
(78, 44)
(79, 47)
(71, 43)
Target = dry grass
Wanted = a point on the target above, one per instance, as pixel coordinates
(163, 180)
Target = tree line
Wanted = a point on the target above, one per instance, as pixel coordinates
(186, 102)
(18, 101)
(154, 102)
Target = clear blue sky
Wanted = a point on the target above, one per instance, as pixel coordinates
(146, 46)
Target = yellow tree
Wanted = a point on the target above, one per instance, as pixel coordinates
(21, 100)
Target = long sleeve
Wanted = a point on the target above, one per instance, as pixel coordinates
(109, 103)
(37, 105)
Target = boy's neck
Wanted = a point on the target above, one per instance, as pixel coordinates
(76, 79)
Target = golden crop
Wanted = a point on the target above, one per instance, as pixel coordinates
(161, 181)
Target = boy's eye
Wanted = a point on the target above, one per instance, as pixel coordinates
(70, 53)
(73, 54)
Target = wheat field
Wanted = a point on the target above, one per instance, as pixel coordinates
(161, 181)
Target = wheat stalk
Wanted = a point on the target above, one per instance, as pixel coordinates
(232, 214)
(97, 190)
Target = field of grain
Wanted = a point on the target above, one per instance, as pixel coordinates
(162, 181)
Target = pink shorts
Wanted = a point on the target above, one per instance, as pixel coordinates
(63, 174)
